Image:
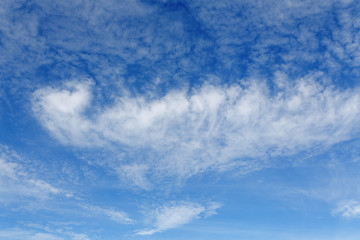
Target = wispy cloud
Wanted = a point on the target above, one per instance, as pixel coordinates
(134, 175)
(228, 37)
(348, 209)
(177, 88)
(17, 182)
(175, 215)
(20, 234)
(115, 215)
(212, 128)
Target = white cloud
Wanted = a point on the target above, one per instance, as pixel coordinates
(175, 215)
(62, 110)
(214, 127)
(348, 209)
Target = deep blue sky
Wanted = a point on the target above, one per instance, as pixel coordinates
(179, 120)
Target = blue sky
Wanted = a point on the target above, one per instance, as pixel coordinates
(179, 120)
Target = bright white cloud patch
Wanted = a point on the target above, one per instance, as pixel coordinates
(213, 127)
(62, 110)
(348, 209)
(175, 215)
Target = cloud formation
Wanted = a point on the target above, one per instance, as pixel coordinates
(167, 90)
(20, 234)
(16, 181)
(175, 215)
(136, 41)
(348, 209)
(115, 215)
(213, 127)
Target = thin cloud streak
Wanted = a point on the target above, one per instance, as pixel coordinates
(30, 234)
(16, 182)
(174, 215)
(115, 215)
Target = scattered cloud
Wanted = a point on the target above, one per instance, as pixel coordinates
(175, 215)
(176, 90)
(348, 209)
(134, 175)
(231, 38)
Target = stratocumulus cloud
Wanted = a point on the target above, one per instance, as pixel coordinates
(230, 122)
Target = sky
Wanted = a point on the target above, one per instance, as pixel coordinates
(165, 119)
